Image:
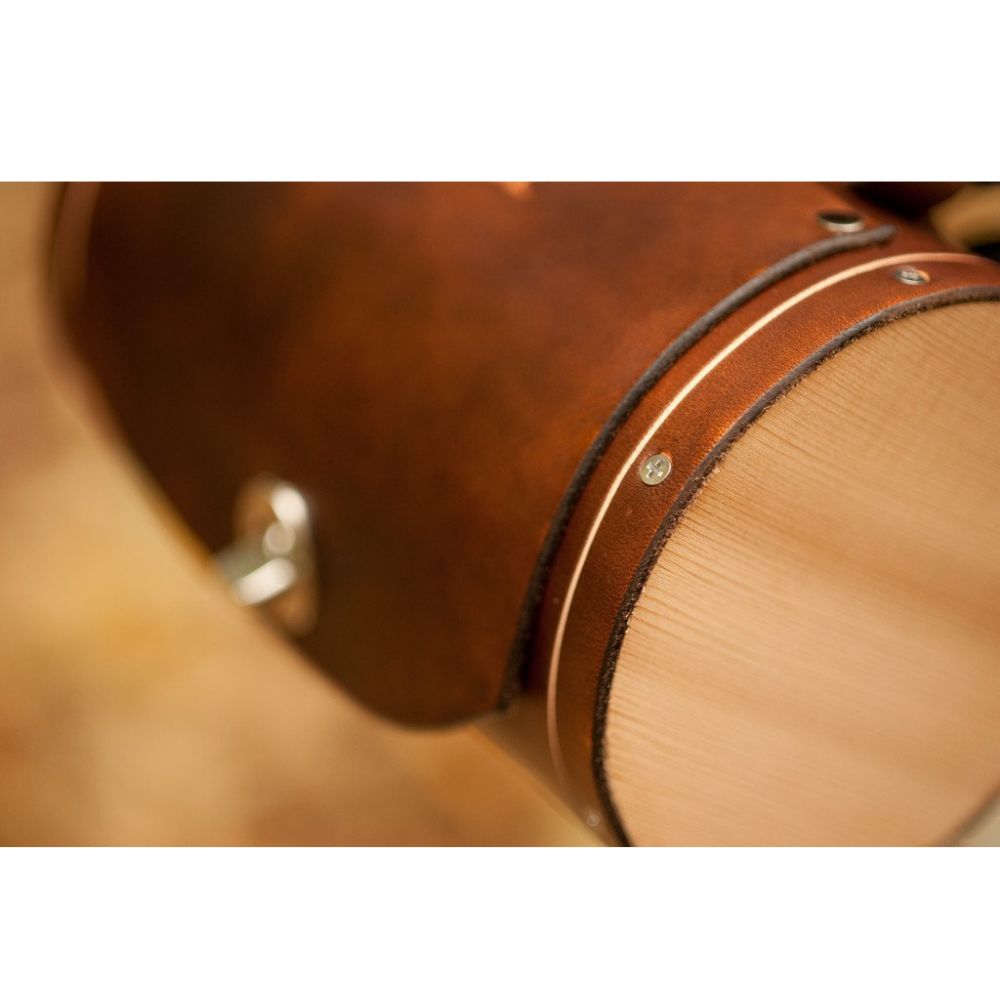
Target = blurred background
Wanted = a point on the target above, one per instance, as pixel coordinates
(139, 705)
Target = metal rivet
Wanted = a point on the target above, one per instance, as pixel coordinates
(272, 563)
(911, 276)
(655, 469)
(593, 820)
(839, 221)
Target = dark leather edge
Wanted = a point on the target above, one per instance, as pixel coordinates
(798, 261)
(693, 487)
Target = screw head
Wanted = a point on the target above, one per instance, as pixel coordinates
(840, 221)
(655, 469)
(911, 276)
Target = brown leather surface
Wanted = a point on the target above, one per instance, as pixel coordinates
(633, 531)
(430, 364)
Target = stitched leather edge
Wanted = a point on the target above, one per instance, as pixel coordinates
(693, 487)
(798, 261)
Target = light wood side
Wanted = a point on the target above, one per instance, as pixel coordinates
(816, 656)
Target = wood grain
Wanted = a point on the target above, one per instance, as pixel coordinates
(815, 658)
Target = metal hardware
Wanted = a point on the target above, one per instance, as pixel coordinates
(911, 276)
(272, 564)
(840, 221)
(655, 469)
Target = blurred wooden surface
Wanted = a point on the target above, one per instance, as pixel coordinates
(139, 705)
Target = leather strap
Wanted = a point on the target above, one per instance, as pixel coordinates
(765, 348)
